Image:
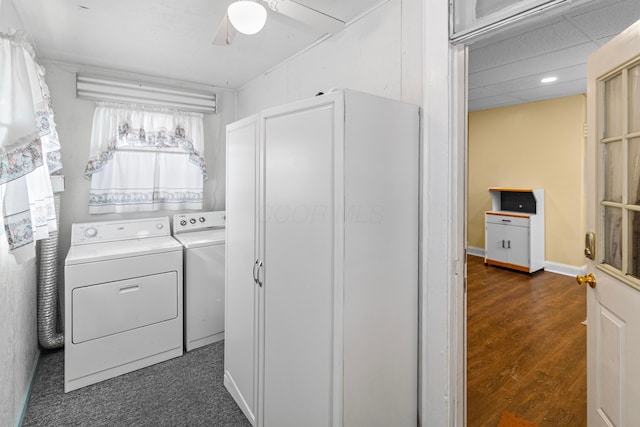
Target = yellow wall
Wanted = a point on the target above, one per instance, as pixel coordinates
(534, 145)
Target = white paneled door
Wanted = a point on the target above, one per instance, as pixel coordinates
(298, 258)
(613, 213)
(241, 295)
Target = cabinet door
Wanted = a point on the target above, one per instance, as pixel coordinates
(240, 348)
(298, 268)
(518, 244)
(497, 238)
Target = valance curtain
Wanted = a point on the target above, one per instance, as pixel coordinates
(145, 159)
(29, 148)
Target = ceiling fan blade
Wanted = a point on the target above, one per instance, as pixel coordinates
(305, 14)
(225, 33)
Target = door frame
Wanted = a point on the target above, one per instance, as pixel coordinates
(443, 210)
(442, 364)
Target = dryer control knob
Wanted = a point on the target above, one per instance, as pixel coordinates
(159, 226)
(183, 222)
(91, 232)
(192, 220)
(202, 219)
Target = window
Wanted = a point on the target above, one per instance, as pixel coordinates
(145, 159)
(620, 159)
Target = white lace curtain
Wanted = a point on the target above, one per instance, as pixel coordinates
(29, 148)
(622, 97)
(145, 159)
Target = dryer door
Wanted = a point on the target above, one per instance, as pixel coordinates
(115, 307)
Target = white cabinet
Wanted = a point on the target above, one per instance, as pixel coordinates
(514, 234)
(322, 263)
(508, 239)
(241, 294)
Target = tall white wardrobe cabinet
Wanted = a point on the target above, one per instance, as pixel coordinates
(321, 324)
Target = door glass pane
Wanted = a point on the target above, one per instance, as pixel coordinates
(487, 7)
(613, 107)
(613, 171)
(634, 99)
(634, 222)
(613, 237)
(634, 171)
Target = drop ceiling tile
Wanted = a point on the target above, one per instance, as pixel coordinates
(607, 21)
(533, 81)
(521, 27)
(497, 81)
(569, 57)
(476, 93)
(493, 102)
(551, 38)
(574, 87)
(604, 40)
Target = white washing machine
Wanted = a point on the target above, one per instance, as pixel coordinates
(123, 299)
(202, 234)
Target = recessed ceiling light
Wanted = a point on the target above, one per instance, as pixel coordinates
(548, 80)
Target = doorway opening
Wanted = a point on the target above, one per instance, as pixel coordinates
(520, 358)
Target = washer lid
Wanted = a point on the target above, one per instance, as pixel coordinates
(198, 239)
(80, 254)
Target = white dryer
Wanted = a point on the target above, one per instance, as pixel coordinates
(123, 299)
(202, 235)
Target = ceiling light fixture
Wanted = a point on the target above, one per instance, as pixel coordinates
(248, 17)
(548, 80)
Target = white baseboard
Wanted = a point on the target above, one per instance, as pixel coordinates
(564, 269)
(475, 251)
(552, 267)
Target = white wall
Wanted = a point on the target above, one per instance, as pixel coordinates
(74, 119)
(19, 350)
(380, 54)
(18, 305)
(18, 283)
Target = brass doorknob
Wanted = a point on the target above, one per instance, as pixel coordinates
(589, 278)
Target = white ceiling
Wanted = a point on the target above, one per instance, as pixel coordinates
(169, 38)
(173, 39)
(506, 69)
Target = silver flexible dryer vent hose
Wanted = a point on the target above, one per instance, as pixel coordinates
(48, 290)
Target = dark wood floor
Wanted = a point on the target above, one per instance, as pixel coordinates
(526, 347)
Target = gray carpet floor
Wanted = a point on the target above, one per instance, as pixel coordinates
(185, 391)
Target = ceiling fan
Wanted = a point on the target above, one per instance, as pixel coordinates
(298, 11)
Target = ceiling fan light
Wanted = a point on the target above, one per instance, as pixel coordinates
(248, 17)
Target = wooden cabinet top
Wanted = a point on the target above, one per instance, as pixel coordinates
(510, 189)
(504, 213)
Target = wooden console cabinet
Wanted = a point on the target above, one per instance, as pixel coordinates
(514, 229)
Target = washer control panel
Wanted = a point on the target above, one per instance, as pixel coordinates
(198, 221)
